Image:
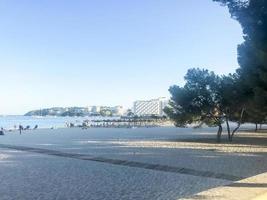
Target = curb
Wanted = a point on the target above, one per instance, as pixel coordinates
(252, 188)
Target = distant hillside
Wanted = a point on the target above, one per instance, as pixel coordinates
(59, 111)
(77, 111)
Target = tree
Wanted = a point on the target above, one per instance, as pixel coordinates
(255, 116)
(252, 54)
(106, 113)
(208, 99)
(253, 74)
(252, 16)
(129, 113)
(234, 102)
(198, 102)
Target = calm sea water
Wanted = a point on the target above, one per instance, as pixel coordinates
(8, 122)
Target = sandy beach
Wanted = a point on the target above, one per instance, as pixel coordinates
(142, 163)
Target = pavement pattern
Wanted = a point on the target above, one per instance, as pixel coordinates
(141, 165)
(161, 163)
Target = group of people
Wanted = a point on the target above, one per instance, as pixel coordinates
(20, 128)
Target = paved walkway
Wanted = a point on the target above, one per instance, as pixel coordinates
(114, 164)
(31, 176)
(156, 167)
(253, 188)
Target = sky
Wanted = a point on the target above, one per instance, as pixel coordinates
(107, 52)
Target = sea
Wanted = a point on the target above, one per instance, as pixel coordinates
(13, 121)
(10, 122)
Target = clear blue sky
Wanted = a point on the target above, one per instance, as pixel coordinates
(107, 52)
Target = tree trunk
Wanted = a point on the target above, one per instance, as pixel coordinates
(238, 125)
(219, 133)
(256, 127)
(228, 129)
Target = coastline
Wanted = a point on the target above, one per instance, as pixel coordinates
(13, 122)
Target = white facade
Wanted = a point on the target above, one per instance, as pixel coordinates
(150, 107)
(96, 109)
(116, 110)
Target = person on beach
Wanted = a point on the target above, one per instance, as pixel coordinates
(20, 129)
(2, 131)
(27, 128)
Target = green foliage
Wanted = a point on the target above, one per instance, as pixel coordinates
(72, 114)
(208, 99)
(252, 54)
(241, 97)
(199, 101)
(252, 16)
(234, 97)
(106, 113)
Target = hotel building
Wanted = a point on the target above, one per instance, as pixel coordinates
(150, 107)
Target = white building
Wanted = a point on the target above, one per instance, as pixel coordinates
(96, 109)
(150, 107)
(117, 110)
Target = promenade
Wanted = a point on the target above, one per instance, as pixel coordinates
(143, 163)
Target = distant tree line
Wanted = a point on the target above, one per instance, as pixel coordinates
(209, 99)
(69, 112)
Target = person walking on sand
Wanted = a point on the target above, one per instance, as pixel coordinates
(2, 131)
(20, 129)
